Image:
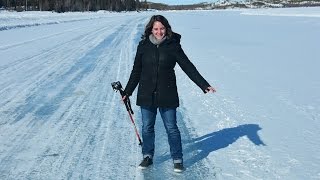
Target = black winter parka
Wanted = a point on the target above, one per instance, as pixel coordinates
(153, 70)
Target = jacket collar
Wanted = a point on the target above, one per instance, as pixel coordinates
(175, 38)
(155, 41)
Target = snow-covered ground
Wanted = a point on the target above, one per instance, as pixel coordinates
(60, 119)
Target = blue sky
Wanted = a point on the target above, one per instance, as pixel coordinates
(174, 2)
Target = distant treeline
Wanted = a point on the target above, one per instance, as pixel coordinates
(229, 4)
(136, 5)
(72, 5)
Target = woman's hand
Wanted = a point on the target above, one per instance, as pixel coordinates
(124, 98)
(210, 89)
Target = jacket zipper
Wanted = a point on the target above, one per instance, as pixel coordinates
(156, 88)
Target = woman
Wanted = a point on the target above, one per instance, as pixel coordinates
(153, 69)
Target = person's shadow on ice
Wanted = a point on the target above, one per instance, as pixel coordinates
(199, 148)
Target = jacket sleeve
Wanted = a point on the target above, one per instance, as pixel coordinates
(135, 73)
(192, 72)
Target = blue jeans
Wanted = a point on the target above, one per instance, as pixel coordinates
(169, 119)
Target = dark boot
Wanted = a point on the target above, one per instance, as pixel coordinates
(178, 167)
(145, 163)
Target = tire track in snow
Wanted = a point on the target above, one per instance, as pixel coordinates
(108, 164)
(29, 135)
(51, 116)
(41, 66)
(39, 97)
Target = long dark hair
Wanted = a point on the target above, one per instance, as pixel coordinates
(149, 26)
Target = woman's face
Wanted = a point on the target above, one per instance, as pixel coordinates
(158, 30)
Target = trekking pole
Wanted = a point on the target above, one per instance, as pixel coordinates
(118, 87)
